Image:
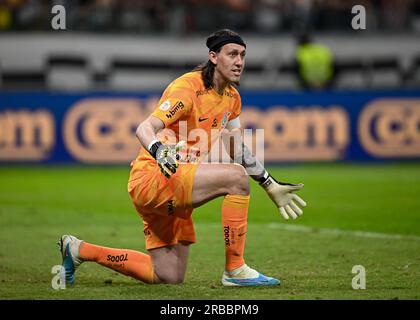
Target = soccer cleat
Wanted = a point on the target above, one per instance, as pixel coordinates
(246, 276)
(69, 247)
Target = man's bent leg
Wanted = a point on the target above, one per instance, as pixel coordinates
(128, 262)
(234, 223)
(231, 181)
(163, 265)
(165, 208)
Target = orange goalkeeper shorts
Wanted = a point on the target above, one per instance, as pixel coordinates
(164, 204)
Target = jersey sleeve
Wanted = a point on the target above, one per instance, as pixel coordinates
(176, 101)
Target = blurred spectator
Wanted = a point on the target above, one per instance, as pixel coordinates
(267, 15)
(395, 14)
(102, 17)
(131, 17)
(334, 14)
(302, 18)
(5, 17)
(415, 21)
(187, 16)
(315, 63)
(237, 15)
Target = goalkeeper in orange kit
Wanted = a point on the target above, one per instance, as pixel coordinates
(166, 182)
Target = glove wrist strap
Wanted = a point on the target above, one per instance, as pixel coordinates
(154, 147)
(265, 180)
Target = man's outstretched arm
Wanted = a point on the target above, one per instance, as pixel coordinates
(280, 192)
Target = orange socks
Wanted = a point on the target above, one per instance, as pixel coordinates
(129, 262)
(234, 221)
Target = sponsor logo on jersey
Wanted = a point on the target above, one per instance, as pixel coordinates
(202, 92)
(178, 106)
(165, 105)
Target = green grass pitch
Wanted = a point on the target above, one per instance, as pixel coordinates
(357, 214)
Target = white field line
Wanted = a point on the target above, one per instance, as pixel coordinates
(279, 226)
(331, 231)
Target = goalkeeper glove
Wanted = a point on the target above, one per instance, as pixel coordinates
(167, 156)
(282, 196)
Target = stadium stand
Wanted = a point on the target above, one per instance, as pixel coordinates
(75, 72)
(350, 74)
(129, 74)
(68, 72)
(414, 74)
(385, 73)
(142, 45)
(22, 80)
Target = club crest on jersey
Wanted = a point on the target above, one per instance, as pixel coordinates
(225, 119)
(165, 105)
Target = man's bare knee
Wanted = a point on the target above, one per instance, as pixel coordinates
(239, 182)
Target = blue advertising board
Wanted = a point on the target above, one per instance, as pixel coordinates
(308, 126)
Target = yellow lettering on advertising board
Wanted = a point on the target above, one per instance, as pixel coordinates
(26, 135)
(391, 128)
(310, 133)
(103, 130)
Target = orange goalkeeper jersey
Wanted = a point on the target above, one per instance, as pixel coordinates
(185, 106)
